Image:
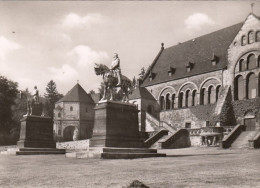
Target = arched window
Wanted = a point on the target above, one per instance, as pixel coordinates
(194, 98)
(257, 36)
(203, 96)
(242, 65)
(218, 92)
(250, 37)
(168, 102)
(181, 102)
(243, 40)
(71, 108)
(59, 114)
(187, 96)
(239, 88)
(251, 86)
(251, 61)
(211, 95)
(162, 103)
(173, 101)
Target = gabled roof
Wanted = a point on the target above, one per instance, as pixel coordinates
(197, 51)
(141, 93)
(76, 94)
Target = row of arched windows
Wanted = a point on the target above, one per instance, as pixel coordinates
(251, 62)
(250, 38)
(189, 98)
(247, 88)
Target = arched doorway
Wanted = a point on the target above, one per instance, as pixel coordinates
(249, 120)
(68, 133)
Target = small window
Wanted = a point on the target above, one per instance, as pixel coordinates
(243, 40)
(71, 108)
(187, 125)
(59, 114)
(86, 110)
(250, 37)
(258, 36)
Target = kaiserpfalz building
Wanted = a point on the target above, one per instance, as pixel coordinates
(209, 81)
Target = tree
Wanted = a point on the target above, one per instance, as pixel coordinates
(52, 96)
(134, 81)
(8, 94)
(92, 92)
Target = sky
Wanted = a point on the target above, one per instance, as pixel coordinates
(61, 40)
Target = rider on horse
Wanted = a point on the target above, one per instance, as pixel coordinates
(115, 67)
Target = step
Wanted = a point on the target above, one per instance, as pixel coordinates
(39, 152)
(130, 155)
(41, 149)
(129, 150)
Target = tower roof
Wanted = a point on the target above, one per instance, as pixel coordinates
(76, 94)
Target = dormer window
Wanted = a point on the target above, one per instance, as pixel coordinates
(151, 75)
(189, 66)
(171, 71)
(214, 59)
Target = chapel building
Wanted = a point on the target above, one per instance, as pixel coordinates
(209, 81)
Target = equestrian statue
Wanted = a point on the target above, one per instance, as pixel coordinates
(113, 78)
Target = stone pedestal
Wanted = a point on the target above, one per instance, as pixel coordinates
(116, 125)
(37, 109)
(36, 132)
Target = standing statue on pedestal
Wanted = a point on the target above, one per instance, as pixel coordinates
(114, 79)
(36, 95)
(34, 107)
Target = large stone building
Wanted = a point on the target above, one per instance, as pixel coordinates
(212, 80)
(74, 111)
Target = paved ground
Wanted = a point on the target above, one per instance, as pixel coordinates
(191, 167)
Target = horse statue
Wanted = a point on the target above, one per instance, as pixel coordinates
(110, 82)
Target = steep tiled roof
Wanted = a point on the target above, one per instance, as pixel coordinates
(198, 51)
(76, 94)
(141, 92)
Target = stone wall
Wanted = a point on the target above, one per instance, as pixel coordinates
(196, 115)
(73, 145)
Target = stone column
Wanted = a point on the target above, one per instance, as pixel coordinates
(245, 93)
(257, 86)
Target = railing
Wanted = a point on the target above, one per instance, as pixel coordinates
(255, 142)
(152, 119)
(177, 135)
(198, 131)
(226, 142)
(155, 138)
(159, 124)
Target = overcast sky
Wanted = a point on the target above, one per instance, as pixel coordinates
(61, 40)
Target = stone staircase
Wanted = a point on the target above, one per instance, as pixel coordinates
(242, 139)
(157, 124)
(157, 144)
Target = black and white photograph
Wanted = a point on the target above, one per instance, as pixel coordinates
(129, 94)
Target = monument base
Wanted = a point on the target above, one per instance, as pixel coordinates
(116, 125)
(36, 132)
